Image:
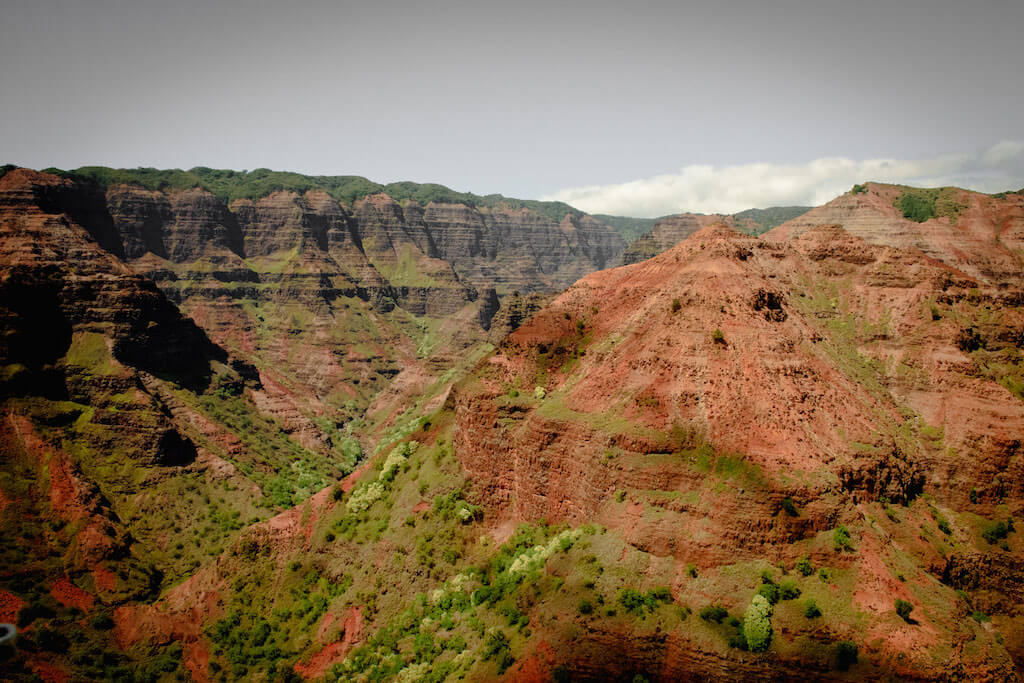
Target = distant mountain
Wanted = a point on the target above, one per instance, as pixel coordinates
(629, 228)
(668, 231)
(757, 221)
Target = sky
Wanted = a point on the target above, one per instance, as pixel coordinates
(642, 108)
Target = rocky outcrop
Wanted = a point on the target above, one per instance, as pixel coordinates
(977, 234)
(56, 277)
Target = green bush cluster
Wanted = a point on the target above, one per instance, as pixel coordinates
(841, 540)
(638, 603)
(997, 531)
(917, 206)
(715, 613)
(904, 608)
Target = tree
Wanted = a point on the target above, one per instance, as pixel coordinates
(757, 624)
(904, 608)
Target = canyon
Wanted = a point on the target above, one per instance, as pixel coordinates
(325, 429)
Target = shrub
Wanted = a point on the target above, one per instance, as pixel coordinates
(979, 616)
(715, 613)
(718, 337)
(804, 566)
(904, 608)
(944, 527)
(790, 507)
(997, 531)
(691, 569)
(539, 393)
(639, 603)
(811, 610)
(841, 539)
(770, 592)
(968, 340)
(585, 607)
(676, 305)
(846, 654)
(859, 189)
(739, 641)
(757, 624)
(788, 590)
(917, 207)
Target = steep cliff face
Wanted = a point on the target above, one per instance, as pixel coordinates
(735, 399)
(331, 302)
(979, 234)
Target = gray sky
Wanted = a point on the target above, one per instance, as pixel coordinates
(631, 107)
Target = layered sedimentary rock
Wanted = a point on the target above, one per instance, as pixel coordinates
(317, 295)
(981, 235)
(730, 402)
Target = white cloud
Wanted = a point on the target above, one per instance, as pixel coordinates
(728, 189)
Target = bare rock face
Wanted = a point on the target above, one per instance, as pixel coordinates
(980, 235)
(56, 274)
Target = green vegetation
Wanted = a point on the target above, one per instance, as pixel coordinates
(919, 204)
(997, 531)
(811, 609)
(790, 507)
(804, 566)
(230, 185)
(635, 602)
(846, 654)
(841, 540)
(859, 189)
(757, 624)
(759, 221)
(718, 337)
(715, 613)
(788, 590)
(904, 608)
(630, 228)
(769, 591)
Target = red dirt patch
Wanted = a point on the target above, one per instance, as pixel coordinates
(104, 579)
(334, 653)
(10, 605)
(49, 672)
(537, 667)
(70, 595)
